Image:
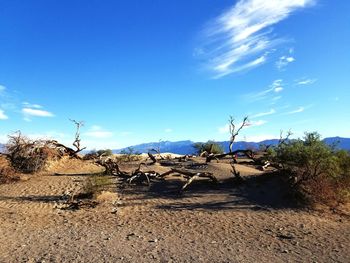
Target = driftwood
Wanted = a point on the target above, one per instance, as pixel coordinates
(190, 176)
(248, 153)
(151, 156)
(112, 168)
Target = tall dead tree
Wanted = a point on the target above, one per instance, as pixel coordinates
(234, 134)
(77, 139)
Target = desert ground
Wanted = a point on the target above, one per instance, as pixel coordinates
(223, 222)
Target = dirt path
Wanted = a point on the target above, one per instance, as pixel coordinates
(157, 224)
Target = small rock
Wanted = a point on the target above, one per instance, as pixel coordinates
(114, 211)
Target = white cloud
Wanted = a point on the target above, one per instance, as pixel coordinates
(306, 81)
(3, 116)
(275, 87)
(300, 109)
(256, 123)
(168, 130)
(97, 132)
(29, 105)
(240, 38)
(272, 111)
(226, 128)
(284, 61)
(36, 112)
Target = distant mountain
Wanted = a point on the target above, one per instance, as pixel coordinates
(186, 147)
(180, 147)
(339, 142)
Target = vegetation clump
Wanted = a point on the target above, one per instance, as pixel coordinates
(209, 147)
(29, 156)
(318, 171)
(129, 154)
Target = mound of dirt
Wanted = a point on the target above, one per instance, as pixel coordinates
(68, 165)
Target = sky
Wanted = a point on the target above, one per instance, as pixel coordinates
(144, 71)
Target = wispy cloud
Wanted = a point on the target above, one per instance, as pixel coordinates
(283, 61)
(36, 112)
(298, 110)
(305, 81)
(30, 110)
(226, 128)
(29, 105)
(3, 116)
(272, 111)
(256, 123)
(168, 130)
(275, 87)
(241, 38)
(98, 132)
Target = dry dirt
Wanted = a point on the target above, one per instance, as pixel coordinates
(253, 222)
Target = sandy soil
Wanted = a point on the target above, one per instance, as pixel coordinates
(208, 223)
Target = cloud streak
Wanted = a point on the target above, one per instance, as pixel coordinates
(275, 87)
(298, 110)
(36, 112)
(306, 81)
(272, 111)
(241, 38)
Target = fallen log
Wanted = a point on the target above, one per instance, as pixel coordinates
(190, 176)
(248, 153)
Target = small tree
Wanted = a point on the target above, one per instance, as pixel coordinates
(130, 154)
(234, 132)
(210, 147)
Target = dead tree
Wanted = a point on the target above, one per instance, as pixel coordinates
(234, 134)
(77, 139)
(190, 176)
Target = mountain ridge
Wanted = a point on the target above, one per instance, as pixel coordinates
(186, 146)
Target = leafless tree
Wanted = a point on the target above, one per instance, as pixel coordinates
(77, 139)
(234, 132)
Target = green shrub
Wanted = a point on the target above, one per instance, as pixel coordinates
(209, 147)
(316, 169)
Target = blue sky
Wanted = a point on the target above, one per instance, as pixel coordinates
(140, 71)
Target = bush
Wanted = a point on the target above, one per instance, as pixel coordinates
(27, 155)
(208, 147)
(314, 168)
(106, 152)
(129, 154)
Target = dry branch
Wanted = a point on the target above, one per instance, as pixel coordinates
(190, 176)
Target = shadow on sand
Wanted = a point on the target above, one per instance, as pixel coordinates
(262, 192)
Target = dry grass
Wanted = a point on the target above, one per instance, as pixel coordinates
(329, 191)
